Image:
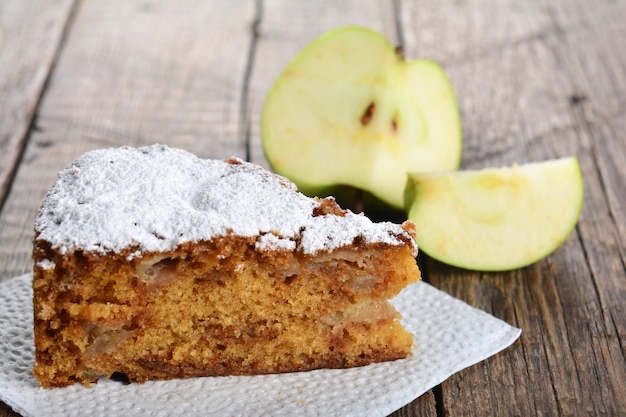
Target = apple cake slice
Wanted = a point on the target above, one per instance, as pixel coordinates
(155, 264)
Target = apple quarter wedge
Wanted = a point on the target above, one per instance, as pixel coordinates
(496, 219)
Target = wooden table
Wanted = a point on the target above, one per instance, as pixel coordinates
(535, 80)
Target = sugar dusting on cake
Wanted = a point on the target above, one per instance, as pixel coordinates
(155, 198)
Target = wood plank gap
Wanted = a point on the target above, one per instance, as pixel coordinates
(32, 124)
(397, 17)
(422, 262)
(440, 408)
(244, 134)
(614, 323)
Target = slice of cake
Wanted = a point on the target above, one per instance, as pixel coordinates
(152, 263)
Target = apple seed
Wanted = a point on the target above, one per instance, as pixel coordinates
(369, 113)
(399, 52)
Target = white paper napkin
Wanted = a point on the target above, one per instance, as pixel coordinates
(450, 336)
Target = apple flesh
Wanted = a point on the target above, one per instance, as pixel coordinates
(496, 219)
(349, 110)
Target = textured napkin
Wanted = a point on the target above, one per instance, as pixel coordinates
(450, 336)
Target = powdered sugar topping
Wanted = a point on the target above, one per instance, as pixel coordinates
(155, 198)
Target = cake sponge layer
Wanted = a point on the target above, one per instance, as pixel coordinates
(218, 308)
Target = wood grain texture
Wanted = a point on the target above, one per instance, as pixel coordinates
(30, 36)
(592, 36)
(6, 411)
(132, 74)
(425, 406)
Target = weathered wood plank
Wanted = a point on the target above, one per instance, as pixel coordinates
(604, 231)
(424, 406)
(132, 74)
(30, 35)
(593, 36)
(6, 411)
(521, 71)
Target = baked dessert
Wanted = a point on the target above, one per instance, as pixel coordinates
(152, 263)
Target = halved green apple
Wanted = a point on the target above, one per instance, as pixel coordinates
(350, 110)
(496, 219)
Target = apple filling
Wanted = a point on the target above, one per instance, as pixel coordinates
(159, 270)
(102, 340)
(363, 313)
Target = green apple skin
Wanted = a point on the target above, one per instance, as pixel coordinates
(349, 110)
(496, 219)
